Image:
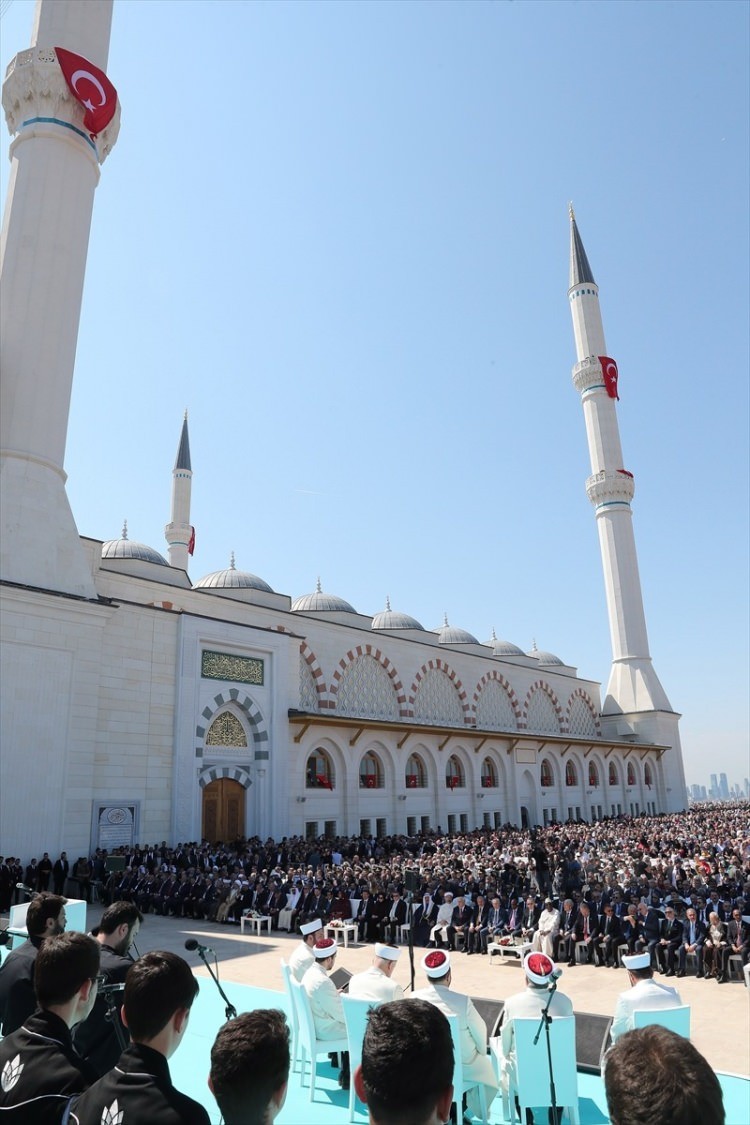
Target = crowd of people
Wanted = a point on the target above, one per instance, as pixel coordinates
(591, 888)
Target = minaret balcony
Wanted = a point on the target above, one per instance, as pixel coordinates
(610, 486)
(588, 374)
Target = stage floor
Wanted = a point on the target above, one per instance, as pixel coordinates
(189, 1068)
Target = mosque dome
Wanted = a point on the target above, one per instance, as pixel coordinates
(452, 635)
(320, 602)
(125, 548)
(546, 659)
(232, 579)
(503, 648)
(390, 619)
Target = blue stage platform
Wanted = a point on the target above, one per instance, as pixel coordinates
(189, 1068)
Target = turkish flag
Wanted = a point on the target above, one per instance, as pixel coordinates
(191, 544)
(609, 368)
(91, 87)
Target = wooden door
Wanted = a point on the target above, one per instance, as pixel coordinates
(223, 810)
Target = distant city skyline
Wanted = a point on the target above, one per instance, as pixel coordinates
(719, 789)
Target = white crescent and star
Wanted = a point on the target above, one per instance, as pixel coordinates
(95, 82)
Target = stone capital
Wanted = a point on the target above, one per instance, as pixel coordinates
(587, 374)
(610, 487)
(35, 92)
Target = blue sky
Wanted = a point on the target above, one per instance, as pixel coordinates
(337, 233)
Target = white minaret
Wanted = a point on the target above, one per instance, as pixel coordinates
(55, 170)
(635, 699)
(179, 532)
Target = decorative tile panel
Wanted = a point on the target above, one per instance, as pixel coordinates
(226, 730)
(541, 713)
(494, 710)
(308, 691)
(232, 668)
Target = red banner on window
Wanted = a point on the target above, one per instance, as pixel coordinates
(90, 86)
(611, 375)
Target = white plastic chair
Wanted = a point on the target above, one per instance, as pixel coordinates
(461, 1084)
(355, 1018)
(530, 1082)
(286, 973)
(310, 1047)
(676, 1019)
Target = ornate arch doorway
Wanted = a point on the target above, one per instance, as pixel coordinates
(223, 810)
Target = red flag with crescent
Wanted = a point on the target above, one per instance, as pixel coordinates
(609, 369)
(90, 86)
(191, 544)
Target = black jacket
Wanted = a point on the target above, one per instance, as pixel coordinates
(17, 997)
(96, 1038)
(143, 1090)
(40, 1071)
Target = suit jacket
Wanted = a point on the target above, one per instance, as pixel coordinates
(671, 931)
(609, 925)
(651, 926)
(496, 919)
(568, 921)
(462, 917)
(400, 913)
(699, 931)
(738, 933)
(580, 926)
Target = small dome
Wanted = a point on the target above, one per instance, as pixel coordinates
(452, 635)
(503, 648)
(125, 548)
(548, 658)
(390, 619)
(319, 602)
(232, 579)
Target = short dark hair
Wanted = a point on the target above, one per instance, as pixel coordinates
(407, 1060)
(249, 1063)
(64, 962)
(653, 1076)
(157, 985)
(117, 914)
(41, 908)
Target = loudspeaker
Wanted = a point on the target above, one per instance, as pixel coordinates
(490, 1011)
(592, 1040)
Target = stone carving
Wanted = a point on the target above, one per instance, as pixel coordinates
(230, 668)
(226, 730)
(581, 722)
(35, 87)
(494, 710)
(541, 715)
(308, 694)
(609, 487)
(437, 700)
(366, 690)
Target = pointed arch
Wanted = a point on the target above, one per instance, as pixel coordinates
(495, 704)
(215, 773)
(582, 718)
(429, 681)
(366, 684)
(233, 697)
(311, 677)
(546, 774)
(542, 711)
(416, 772)
(455, 773)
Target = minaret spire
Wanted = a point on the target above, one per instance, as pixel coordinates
(55, 171)
(179, 533)
(634, 690)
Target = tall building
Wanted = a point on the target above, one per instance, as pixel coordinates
(138, 704)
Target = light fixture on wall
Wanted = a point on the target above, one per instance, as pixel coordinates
(402, 796)
(480, 796)
(301, 800)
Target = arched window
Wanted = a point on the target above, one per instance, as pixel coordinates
(416, 774)
(454, 773)
(546, 774)
(631, 774)
(593, 775)
(571, 774)
(613, 779)
(648, 777)
(370, 772)
(319, 773)
(489, 774)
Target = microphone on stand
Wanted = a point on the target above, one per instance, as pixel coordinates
(193, 945)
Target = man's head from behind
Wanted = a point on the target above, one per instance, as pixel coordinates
(159, 992)
(65, 972)
(406, 1075)
(45, 915)
(654, 1077)
(250, 1067)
